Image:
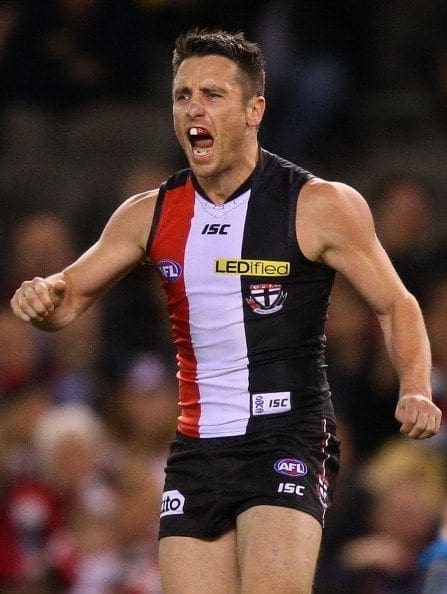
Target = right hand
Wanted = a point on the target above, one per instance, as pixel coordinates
(36, 299)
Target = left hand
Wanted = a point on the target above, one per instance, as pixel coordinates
(419, 416)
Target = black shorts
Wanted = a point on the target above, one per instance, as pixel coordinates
(210, 481)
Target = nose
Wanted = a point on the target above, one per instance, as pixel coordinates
(195, 107)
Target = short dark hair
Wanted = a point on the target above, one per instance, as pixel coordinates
(246, 54)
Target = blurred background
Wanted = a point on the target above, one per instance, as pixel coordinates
(356, 92)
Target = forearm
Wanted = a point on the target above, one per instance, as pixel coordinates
(408, 345)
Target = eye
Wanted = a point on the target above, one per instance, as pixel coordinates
(213, 95)
(181, 97)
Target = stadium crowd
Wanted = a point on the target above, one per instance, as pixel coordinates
(355, 92)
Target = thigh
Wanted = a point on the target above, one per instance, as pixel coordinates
(196, 566)
(277, 550)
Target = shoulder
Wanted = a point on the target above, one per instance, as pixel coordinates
(332, 198)
(137, 207)
(329, 213)
(132, 220)
(139, 202)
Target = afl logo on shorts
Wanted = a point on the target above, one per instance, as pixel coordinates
(172, 503)
(169, 269)
(290, 467)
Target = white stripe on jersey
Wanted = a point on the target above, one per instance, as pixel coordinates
(216, 316)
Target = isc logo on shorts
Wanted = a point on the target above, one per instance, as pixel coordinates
(292, 489)
(172, 503)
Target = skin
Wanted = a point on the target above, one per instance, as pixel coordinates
(272, 549)
(207, 93)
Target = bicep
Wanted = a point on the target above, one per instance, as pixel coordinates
(368, 268)
(344, 238)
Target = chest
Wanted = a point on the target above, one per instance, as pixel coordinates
(215, 244)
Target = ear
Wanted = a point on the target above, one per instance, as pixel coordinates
(255, 111)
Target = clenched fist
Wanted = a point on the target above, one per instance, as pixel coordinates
(36, 299)
(419, 416)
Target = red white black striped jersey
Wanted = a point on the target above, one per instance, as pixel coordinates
(247, 308)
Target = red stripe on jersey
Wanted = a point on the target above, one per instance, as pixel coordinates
(168, 251)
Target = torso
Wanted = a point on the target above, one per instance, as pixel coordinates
(247, 307)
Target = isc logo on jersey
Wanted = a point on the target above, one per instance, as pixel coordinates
(172, 503)
(290, 467)
(216, 229)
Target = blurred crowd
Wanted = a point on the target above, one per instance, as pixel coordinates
(355, 92)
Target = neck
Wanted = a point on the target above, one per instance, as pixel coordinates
(220, 187)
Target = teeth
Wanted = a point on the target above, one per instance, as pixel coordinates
(197, 131)
(201, 152)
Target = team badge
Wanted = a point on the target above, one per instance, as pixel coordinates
(266, 298)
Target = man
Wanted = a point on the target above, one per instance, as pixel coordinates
(247, 245)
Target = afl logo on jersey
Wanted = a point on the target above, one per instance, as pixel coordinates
(290, 467)
(266, 298)
(169, 269)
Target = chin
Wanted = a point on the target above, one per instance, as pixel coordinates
(203, 169)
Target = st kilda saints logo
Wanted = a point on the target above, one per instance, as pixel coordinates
(266, 298)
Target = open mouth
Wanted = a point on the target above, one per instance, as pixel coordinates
(201, 141)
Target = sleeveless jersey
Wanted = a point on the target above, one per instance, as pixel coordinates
(247, 308)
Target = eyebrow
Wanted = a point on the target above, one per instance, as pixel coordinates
(203, 89)
(180, 90)
(215, 88)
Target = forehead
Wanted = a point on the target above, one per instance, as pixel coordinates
(206, 70)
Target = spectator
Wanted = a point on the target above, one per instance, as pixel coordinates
(29, 511)
(400, 496)
(145, 408)
(363, 381)
(436, 316)
(19, 355)
(405, 210)
(32, 240)
(139, 488)
(74, 455)
(433, 560)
